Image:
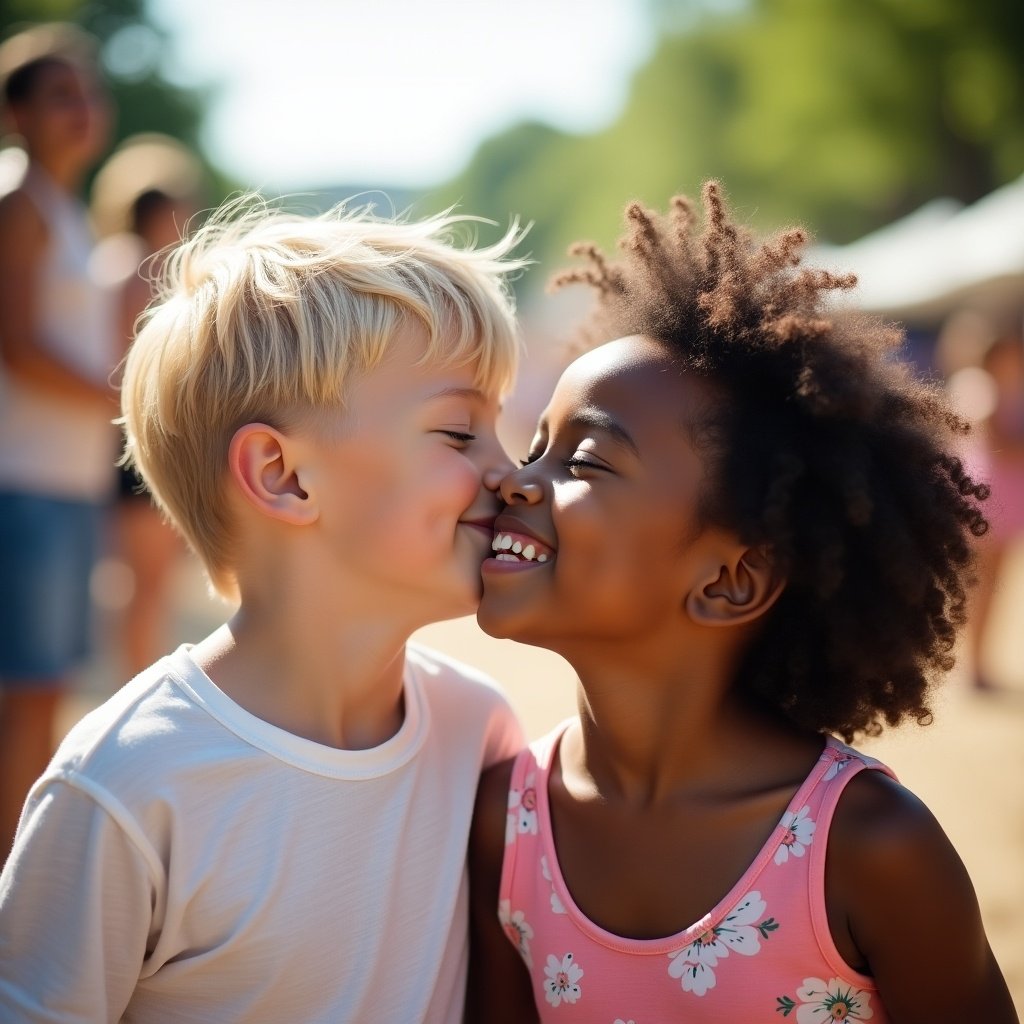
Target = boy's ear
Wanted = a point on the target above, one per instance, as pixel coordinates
(737, 592)
(263, 463)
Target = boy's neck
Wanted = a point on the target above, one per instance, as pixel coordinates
(337, 683)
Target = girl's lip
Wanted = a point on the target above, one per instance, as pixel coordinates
(500, 566)
(512, 524)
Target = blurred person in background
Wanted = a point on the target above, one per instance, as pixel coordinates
(142, 201)
(1001, 463)
(981, 358)
(57, 442)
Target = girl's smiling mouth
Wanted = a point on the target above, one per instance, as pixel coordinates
(515, 547)
(514, 543)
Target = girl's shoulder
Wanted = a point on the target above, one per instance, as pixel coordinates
(897, 882)
(879, 824)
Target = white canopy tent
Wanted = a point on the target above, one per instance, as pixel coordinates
(940, 258)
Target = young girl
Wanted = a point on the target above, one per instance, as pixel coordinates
(742, 525)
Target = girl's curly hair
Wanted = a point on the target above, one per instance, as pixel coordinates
(828, 452)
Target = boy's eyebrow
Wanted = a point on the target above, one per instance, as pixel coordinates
(600, 420)
(473, 394)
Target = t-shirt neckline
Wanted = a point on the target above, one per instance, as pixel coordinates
(302, 753)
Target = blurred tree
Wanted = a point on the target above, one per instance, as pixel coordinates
(838, 115)
(132, 47)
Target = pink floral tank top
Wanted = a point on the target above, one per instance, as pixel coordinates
(764, 953)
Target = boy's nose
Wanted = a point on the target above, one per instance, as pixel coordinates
(493, 476)
(498, 467)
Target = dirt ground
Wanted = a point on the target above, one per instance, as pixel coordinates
(968, 766)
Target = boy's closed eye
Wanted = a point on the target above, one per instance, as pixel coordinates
(460, 436)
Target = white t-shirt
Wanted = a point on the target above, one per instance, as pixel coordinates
(50, 446)
(183, 860)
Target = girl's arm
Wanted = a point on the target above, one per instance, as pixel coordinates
(499, 988)
(910, 909)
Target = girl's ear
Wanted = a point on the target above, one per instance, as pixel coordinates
(740, 591)
(263, 463)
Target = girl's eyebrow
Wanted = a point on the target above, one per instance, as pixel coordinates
(598, 419)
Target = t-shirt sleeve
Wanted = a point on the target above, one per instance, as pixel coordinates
(76, 904)
(469, 699)
(505, 737)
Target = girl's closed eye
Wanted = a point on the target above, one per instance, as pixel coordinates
(576, 461)
(584, 458)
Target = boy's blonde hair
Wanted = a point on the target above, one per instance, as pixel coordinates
(268, 317)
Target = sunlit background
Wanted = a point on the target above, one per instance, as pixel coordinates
(892, 129)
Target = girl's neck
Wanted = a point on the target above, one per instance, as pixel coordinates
(647, 735)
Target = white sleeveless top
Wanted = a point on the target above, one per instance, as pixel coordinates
(49, 445)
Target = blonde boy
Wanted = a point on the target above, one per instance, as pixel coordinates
(271, 825)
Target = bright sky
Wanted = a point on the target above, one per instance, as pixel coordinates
(394, 92)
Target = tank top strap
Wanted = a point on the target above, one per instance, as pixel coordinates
(814, 807)
(530, 772)
(844, 765)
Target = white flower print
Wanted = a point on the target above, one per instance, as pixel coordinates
(841, 761)
(697, 978)
(798, 835)
(522, 810)
(517, 928)
(838, 1000)
(562, 981)
(557, 907)
(737, 933)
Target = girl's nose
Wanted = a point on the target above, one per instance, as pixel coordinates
(518, 489)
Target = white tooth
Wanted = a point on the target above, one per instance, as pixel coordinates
(495, 543)
(506, 542)
(542, 557)
(517, 547)
(529, 552)
(505, 557)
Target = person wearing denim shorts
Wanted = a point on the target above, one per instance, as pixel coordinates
(57, 443)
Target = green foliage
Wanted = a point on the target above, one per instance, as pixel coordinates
(838, 115)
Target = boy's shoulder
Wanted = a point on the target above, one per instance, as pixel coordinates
(464, 701)
(439, 672)
(137, 727)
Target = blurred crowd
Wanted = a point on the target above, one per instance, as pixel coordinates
(75, 278)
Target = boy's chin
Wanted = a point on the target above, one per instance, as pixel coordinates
(453, 606)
